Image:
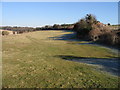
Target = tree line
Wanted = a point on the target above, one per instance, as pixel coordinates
(20, 30)
(46, 27)
(57, 27)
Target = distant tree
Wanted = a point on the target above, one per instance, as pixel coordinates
(56, 26)
(108, 24)
(37, 28)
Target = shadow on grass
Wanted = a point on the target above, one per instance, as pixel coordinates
(72, 37)
(110, 64)
(67, 37)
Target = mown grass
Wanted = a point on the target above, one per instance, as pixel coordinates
(29, 61)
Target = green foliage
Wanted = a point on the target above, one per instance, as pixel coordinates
(5, 32)
(90, 19)
(83, 26)
(56, 26)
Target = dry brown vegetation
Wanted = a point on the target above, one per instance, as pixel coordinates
(89, 28)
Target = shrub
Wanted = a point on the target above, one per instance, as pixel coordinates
(109, 38)
(89, 28)
(56, 26)
(85, 25)
(5, 32)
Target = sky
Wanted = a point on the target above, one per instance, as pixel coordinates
(35, 14)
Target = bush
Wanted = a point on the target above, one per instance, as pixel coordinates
(85, 25)
(56, 26)
(109, 38)
(5, 33)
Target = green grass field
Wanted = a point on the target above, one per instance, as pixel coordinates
(31, 60)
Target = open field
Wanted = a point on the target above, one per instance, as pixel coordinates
(38, 59)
